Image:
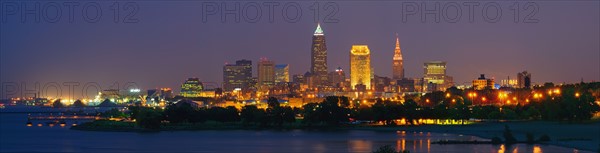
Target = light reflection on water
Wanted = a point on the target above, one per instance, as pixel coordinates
(15, 136)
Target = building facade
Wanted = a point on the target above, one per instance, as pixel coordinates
(398, 65)
(360, 66)
(524, 80)
(435, 73)
(266, 72)
(337, 78)
(483, 83)
(282, 73)
(318, 64)
(191, 88)
(237, 75)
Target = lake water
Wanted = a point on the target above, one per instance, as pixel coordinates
(15, 136)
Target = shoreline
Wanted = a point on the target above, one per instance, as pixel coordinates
(561, 134)
(584, 144)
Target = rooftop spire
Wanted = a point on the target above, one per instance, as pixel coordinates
(397, 51)
(319, 31)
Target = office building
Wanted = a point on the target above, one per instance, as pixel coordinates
(318, 66)
(237, 75)
(282, 73)
(360, 67)
(191, 88)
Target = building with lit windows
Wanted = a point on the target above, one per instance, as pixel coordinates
(435, 73)
(318, 64)
(483, 83)
(337, 78)
(155, 96)
(191, 88)
(237, 75)
(406, 85)
(398, 65)
(381, 84)
(360, 66)
(509, 83)
(282, 73)
(524, 80)
(266, 72)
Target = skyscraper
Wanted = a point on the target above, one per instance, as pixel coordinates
(282, 73)
(237, 75)
(398, 65)
(524, 79)
(360, 66)
(318, 63)
(266, 72)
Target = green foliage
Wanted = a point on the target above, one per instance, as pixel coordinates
(220, 114)
(180, 112)
(329, 112)
(149, 118)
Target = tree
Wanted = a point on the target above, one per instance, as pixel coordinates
(232, 114)
(289, 115)
(461, 112)
(178, 113)
(251, 114)
(331, 112)
(384, 111)
(364, 113)
(411, 111)
(311, 114)
(149, 118)
(198, 116)
(273, 102)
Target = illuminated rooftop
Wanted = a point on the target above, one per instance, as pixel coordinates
(360, 50)
(319, 31)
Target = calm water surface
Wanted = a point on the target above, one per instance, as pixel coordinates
(15, 136)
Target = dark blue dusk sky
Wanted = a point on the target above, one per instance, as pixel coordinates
(171, 42)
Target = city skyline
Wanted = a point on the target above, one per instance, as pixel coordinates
(377, 76)
(421, 42)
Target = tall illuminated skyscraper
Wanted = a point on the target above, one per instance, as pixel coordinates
(266, 72)
(318, 64)
(398, 66)
(360, 66)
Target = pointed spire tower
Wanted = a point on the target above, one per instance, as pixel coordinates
(318, 66)
(398, 67)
